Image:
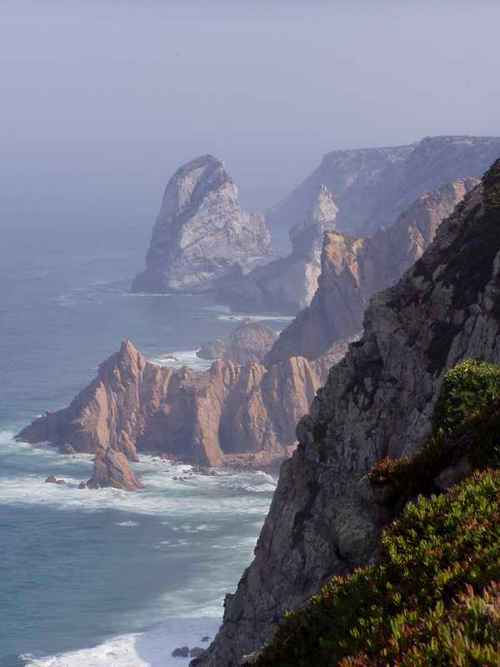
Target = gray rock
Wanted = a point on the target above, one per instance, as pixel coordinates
(181, 652)
(201, 232)
(287, 284)
(373, 186)
(377, 402)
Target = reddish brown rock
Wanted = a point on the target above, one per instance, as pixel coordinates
(199, 417)
(111, 469)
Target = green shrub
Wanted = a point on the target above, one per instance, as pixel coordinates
(431, 599)
(466, 423)
(468, 390)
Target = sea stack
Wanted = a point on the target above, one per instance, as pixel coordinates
(201, 233)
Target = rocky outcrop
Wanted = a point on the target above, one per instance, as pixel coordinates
(206, 418)
(377, 402)
(111, 469)
(353, 269)
(251, 341)
(286, 284)
(201, 232)
(373, 186)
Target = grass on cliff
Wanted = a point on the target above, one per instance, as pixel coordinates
(433, 598)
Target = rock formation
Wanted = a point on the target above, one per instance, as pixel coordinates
(353, 269)
(206, 418)
(201, 232)
(373, 186)
(251, 341)
(287, 284)
(111, 469)
(377, 402)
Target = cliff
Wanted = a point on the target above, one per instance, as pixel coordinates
(433, 596)
(289, 283)
(353, 269)
(378, 402)
(201, 233)
(373, 186)
(206, 417)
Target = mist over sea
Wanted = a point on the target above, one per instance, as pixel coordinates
(79, 568)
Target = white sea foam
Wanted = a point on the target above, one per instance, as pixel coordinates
(257, 318)
(182, 358)
(152, 648)
(127, 524)
(170, 489)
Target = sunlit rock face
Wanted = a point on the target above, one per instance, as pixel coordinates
(201, 233)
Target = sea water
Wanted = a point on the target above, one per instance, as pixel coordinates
(105, 578)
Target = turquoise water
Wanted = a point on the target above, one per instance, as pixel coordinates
(76, 567)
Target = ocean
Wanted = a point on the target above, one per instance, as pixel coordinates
(105, 578)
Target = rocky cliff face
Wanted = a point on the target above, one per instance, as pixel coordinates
(287, 284)
(373, 186)
(377, 402)
(201, 232)
(353, 269)
(197, 417)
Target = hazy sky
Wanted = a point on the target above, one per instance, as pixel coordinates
(102, 99)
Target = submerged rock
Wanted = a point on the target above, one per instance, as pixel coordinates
(201, 233)
(51, 479)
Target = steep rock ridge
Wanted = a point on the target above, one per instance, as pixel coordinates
(250, 341)
(377, 402)
(373, 186)
(198, 417)
(353, 269)
(201, 232)
(287, 284)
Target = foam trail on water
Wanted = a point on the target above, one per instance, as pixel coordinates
(152, 648)
(257, 318)
(182, 358)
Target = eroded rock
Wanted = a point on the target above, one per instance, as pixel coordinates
(201, 232)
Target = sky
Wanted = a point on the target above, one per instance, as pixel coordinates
(101, 100)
